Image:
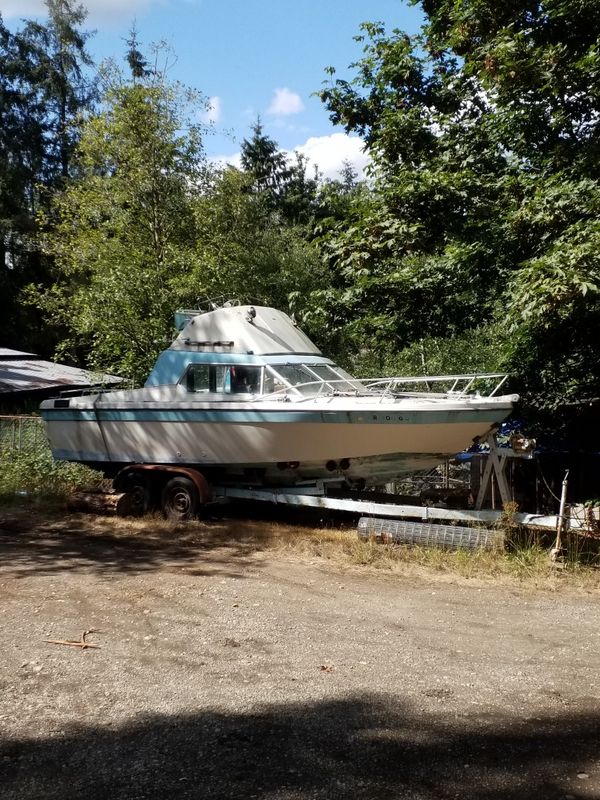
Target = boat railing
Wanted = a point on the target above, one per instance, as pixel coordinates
(455, 386)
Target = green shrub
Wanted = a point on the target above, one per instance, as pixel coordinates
(36, 475)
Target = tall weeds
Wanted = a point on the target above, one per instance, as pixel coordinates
(36, 476)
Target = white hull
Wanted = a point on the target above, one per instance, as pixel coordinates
(387, 439)
(220, 443)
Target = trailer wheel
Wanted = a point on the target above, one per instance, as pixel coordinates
(136, 500)
(180, 499)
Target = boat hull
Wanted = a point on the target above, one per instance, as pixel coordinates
(379, 443)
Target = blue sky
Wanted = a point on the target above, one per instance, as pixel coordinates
(251, 57)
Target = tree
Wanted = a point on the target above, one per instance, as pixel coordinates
(42, 92)
(147, 227)
(61, 81)
(348, 177)
(125, 234)
(245, 252)
(261, 158)
(539, 63)
(138, 63)
(283, 183)
(298, 203)
(484, 132)
(414, 257)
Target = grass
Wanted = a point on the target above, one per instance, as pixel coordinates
(525, 564)
(521, 563)
(34, 479)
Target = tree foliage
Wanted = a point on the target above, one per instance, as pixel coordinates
(280, 180)
(484, 133)
(147, 227)
(43, 91)
(60, 59)
(247, 251)
(474, 243)
(125, 227)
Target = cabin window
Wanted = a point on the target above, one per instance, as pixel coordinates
(295, 376)
(338, 379)
(223, 378)
(238, 379)
(198, 378)
(310, 379)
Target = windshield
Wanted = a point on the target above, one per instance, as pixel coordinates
(342, 381)
(309, 379)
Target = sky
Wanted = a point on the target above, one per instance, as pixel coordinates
(249, 58)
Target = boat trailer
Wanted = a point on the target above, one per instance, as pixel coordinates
(315, 497)
(182, 491)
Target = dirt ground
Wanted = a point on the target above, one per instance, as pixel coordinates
(230, 668)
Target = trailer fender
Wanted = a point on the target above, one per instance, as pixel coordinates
(200, 482)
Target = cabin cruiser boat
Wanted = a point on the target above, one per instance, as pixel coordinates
(243, 395)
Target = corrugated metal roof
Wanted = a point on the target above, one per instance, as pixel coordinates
(32, 374)
(6, 354)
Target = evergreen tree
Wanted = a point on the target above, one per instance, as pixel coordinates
(348, 176)
(61, 81)
(262, 159)
(282, 183)
(43, 91)
(138, 63)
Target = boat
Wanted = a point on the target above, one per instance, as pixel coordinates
(243, 395)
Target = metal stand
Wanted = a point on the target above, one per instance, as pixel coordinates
(495, 466)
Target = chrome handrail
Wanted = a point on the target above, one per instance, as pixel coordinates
(389, 387)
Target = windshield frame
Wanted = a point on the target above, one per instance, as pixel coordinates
(316, 384)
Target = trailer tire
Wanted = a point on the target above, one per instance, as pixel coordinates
(180, 499)
(136, 500)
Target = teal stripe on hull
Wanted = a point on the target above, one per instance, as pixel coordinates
(60, 454)
(258, 417)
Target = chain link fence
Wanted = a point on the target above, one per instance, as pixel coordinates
(20, 434)
(27, 469)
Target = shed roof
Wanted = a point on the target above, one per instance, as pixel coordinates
(7, 354)
(25, 372)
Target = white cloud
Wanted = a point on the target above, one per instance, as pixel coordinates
(234, 160)
(21, 8)
(285, 102)
(99, 10)
(212, 115)
(327, 152)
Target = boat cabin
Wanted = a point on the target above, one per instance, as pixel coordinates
(247, 350)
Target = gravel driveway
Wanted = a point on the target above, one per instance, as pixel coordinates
(229, 669)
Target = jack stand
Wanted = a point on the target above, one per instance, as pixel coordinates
(496, 465)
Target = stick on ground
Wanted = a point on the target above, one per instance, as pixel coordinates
(81, 643)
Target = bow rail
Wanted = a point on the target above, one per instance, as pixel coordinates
(454, 386)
